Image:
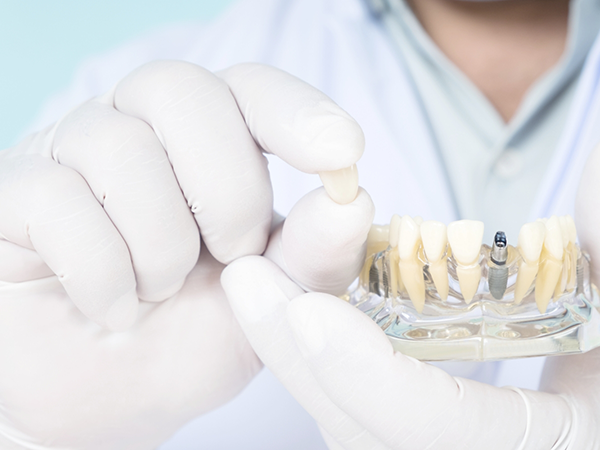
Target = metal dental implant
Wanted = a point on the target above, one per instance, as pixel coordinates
(498, 273)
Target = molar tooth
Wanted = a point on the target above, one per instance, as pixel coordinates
(551, 264)
(411, 269)
(465, 238)
(341, 185)
(435, 241)
(531, 241)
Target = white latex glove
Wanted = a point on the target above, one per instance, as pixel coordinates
(113, 200)
(341, 367)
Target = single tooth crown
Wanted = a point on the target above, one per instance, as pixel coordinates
(435, 239)
(465, 238)
(341, 185)
(531, 241)
(410, 236)
(554, 240)
(394, 232)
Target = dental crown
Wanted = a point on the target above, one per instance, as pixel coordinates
(427, 283)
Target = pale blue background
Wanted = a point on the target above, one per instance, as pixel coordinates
(43, 41)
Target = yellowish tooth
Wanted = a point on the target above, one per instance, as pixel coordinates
(394, 231)
(548, 276)
(550, 269)
(377, 241)
(411, 269)
(531, 242)
(468, 278)
(525, 277)
(465, 238)
(341, 185)
(435, 242)
(572, 250)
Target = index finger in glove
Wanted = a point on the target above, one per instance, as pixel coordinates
(406, 403)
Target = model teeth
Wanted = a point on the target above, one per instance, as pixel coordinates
(411, 268)
(465, 238)
(435, 242)
(531, 241)
(548, 249)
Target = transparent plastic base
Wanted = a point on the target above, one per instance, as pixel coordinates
(486, 328)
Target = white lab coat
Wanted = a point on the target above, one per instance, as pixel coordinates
(339, 47)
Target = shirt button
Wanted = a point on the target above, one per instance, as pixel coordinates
(509, 164)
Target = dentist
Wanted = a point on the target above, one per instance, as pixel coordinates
(120, 214)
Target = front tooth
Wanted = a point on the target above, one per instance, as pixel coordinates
(394, 232)
(553, 241)
(411, 269)
(551, 264)
(341, 185)
(531, 241)
(465, 238)
(435, 241)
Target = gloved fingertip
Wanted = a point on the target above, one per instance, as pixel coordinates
(123, 312)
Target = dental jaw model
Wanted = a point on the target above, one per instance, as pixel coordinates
(440, 294)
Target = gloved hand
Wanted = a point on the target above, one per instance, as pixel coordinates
(341, 367)
(114, 199)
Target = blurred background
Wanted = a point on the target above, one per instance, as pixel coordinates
(43, 42)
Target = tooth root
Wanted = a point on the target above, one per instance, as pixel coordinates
(411, 269)
(341, 185)
(468, 279)
(548, 276)
(439, 273)
(411, 272)
(525, 277)
(561, 285)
